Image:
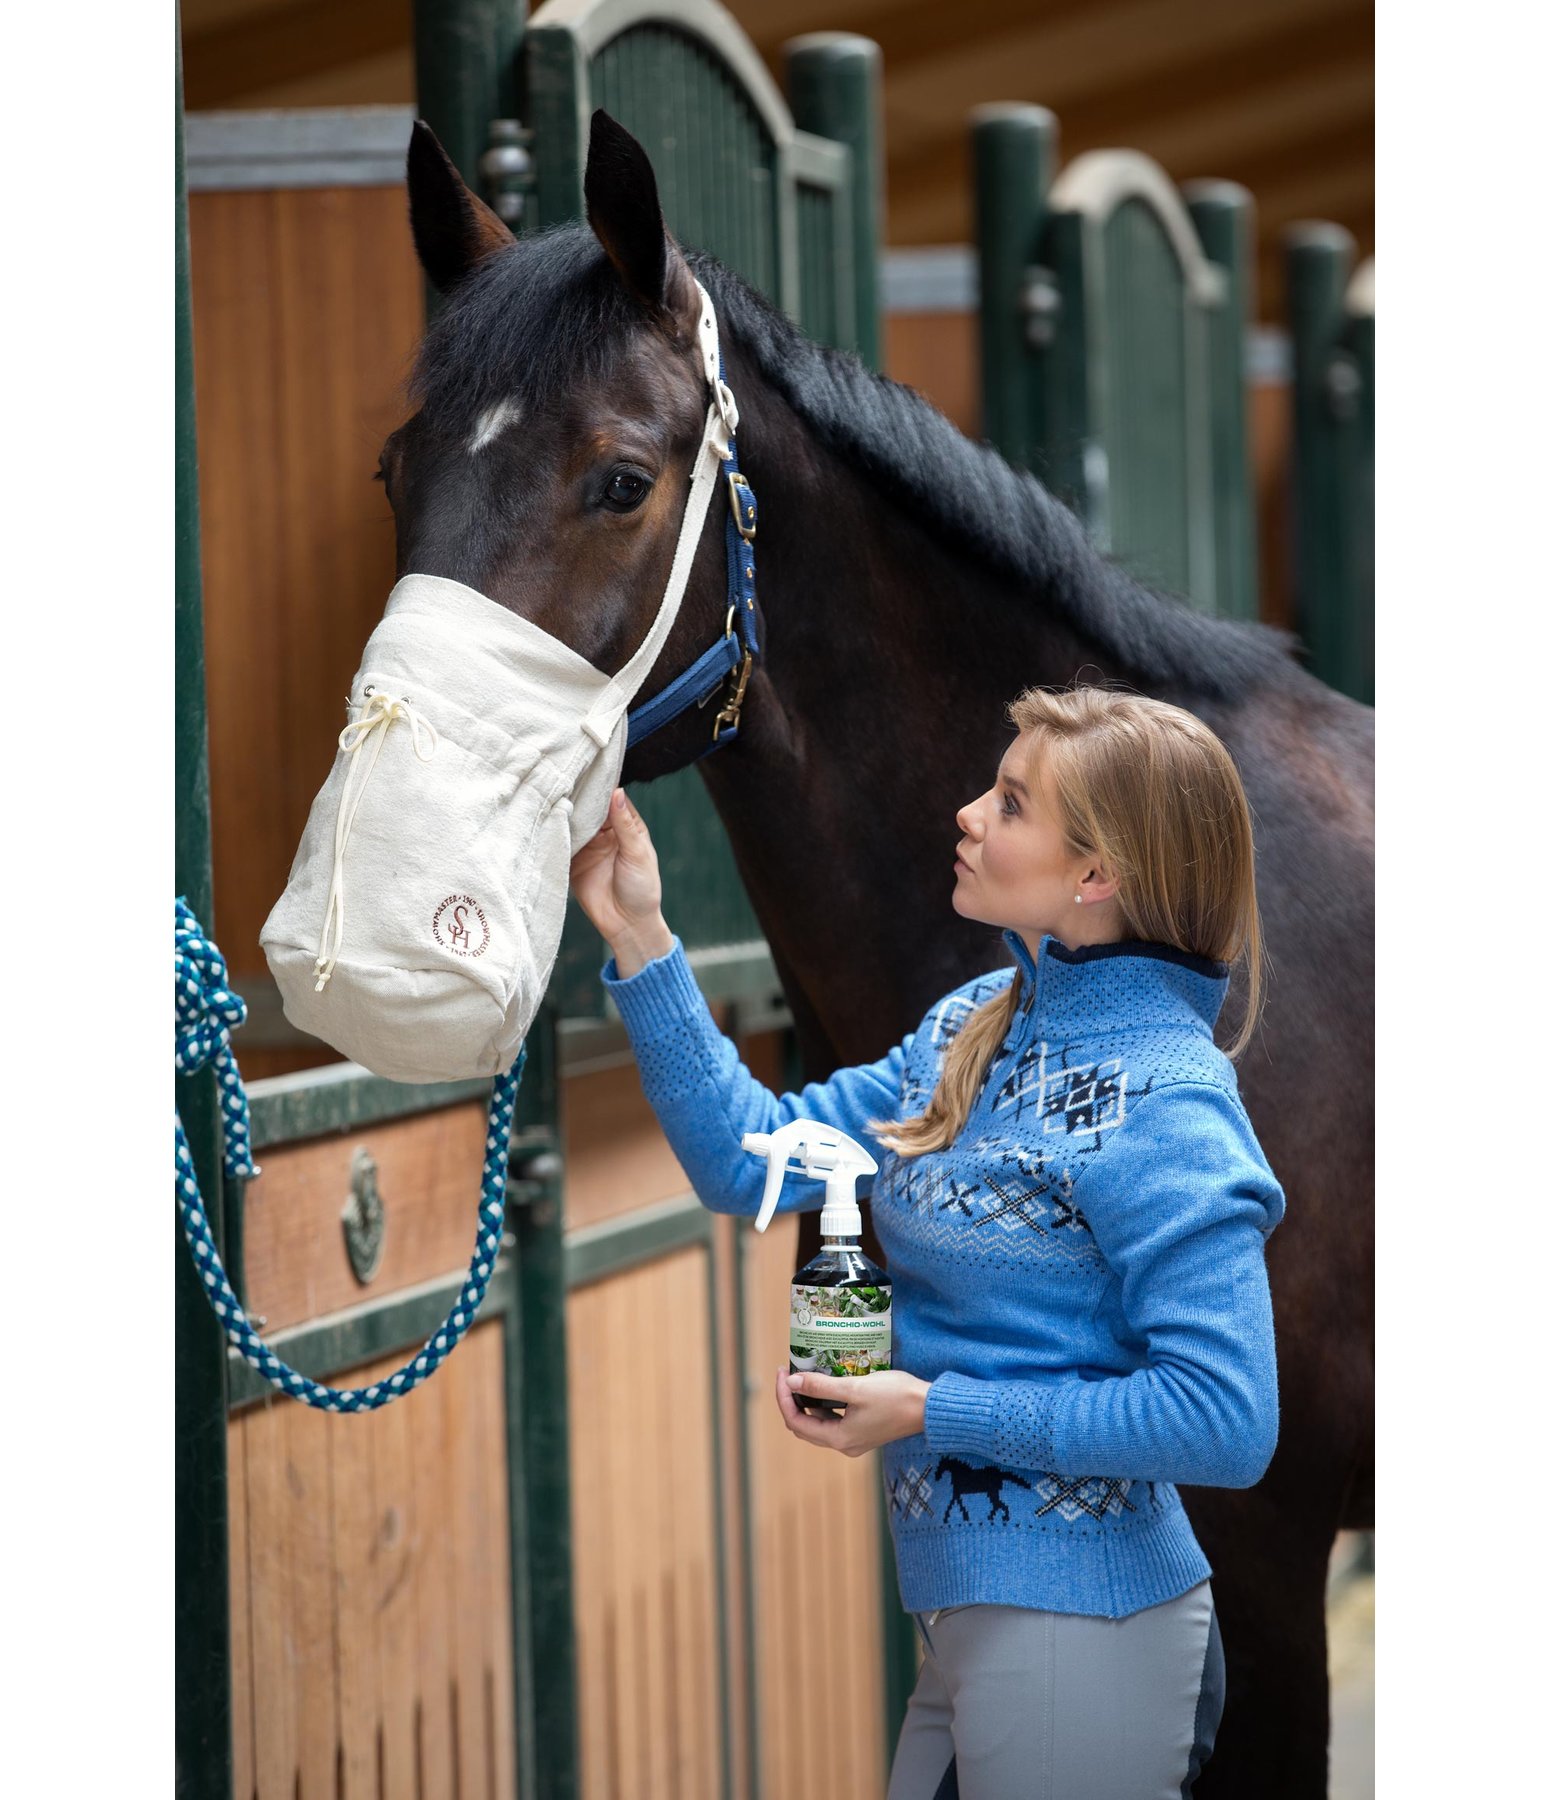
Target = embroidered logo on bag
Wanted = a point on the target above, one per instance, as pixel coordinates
(460, 926)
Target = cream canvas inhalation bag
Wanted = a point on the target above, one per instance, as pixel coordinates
(422, 917)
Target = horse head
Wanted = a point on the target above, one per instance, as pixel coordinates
(559, 403)
(572, 445)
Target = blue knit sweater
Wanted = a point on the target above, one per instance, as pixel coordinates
(1080, 1277)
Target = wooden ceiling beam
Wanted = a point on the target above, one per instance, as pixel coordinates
(1078, 58)
(1328, 132)
(919, 31)
(1238, 133)
(1304, 48)
(1326, 159)
(281, 45)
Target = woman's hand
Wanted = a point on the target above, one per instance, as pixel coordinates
(618, 886)
(878, 1408)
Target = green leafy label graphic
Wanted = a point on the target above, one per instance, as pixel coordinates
(841, 1331)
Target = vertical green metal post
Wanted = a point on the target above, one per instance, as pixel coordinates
(1359, 335)
(537, 1399)
(1318, 264)
(1016, 150)
(202, 1601)
(465, 72)
(465, 76)
(1223, 214)
(834, 89)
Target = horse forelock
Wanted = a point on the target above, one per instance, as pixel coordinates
(540, 315)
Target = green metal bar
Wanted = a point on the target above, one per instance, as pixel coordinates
(465, 72)
(543, 1588)
(202, 1600)
(834, 88)
(557, 100)
(1318, 265)
(1359, 336)
(1223, 214)
(377, 1327)
(344, 1097)
(1016, 151)
(1069, 457)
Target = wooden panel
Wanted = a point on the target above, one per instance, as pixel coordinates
(379, 1614)
(428, 1173)
(616, 1158)
(734, 1495)
(394, 1591)
(433, 1590)
(938, 353)
(644, 1531)
(307, 308)
(815, 1634)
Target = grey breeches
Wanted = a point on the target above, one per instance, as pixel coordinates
(1014, 1704)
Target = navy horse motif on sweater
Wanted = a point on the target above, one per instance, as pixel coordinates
(967, 1480)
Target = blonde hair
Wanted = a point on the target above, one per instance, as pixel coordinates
(1147, 790)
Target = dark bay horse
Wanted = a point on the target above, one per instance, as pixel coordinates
(910, 583)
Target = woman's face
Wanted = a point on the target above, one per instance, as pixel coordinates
(1014, 869)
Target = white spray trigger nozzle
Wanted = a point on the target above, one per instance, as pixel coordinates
(816, 1150)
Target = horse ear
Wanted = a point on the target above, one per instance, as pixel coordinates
(626, 217)
(454, 231)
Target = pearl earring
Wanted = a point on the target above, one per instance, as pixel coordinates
(1079, 899)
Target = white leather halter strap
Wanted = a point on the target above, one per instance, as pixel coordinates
(715, 445)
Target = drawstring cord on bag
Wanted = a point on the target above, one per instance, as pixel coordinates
(373, 724)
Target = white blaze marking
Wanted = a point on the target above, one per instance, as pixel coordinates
(491, 423)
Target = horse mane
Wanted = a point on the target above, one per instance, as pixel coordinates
(575, 318)
(967, 496)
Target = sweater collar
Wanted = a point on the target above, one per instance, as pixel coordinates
(1103, 986)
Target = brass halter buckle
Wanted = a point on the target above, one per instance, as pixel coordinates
(742, 505)
(730, 713)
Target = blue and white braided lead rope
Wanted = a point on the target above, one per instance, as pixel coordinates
(207, 1013)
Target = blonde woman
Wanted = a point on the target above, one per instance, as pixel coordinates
(1074, 1208)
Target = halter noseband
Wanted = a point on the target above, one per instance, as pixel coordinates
(731, 658)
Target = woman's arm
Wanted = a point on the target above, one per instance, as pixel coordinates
(698, 1087)
(1181, 1208)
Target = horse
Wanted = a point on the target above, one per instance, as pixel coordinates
(910, 582)
(966, 1479)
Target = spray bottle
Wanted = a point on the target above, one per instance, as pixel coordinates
(841, 1302)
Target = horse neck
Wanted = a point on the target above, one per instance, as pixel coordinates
(879, 709)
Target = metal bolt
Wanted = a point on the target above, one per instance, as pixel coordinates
(506, 169)
(1342, 386)
(1038, 299)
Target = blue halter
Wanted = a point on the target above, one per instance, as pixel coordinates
(731, 657)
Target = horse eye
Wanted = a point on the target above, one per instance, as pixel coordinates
(625, 490)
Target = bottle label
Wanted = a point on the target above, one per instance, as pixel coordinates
(841, 1331)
